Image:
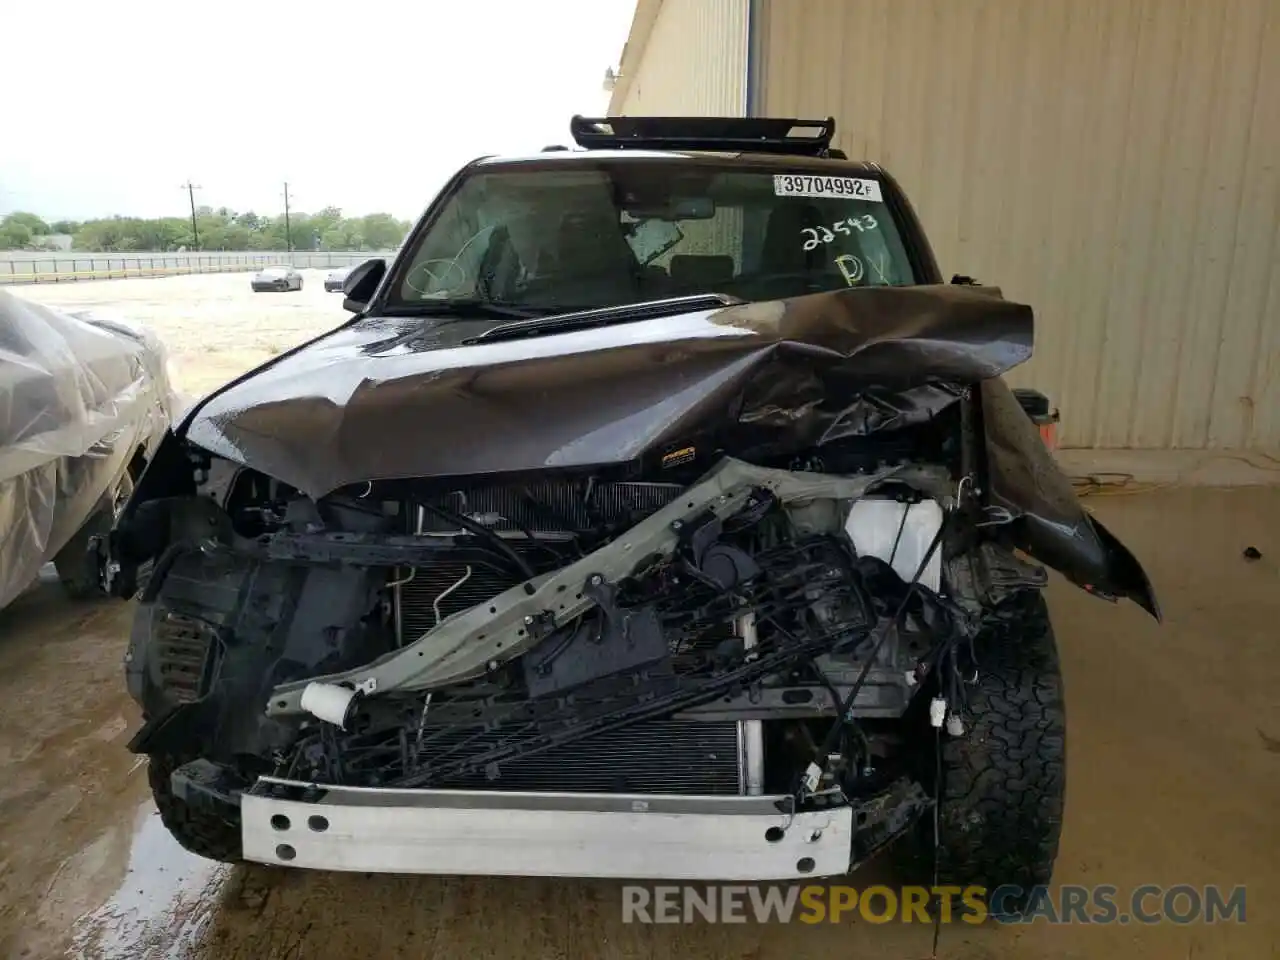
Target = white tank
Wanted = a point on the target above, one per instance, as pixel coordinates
(874, 526)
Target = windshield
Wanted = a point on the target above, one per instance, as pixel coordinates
(623, 232)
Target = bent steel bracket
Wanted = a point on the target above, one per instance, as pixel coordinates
(470, 642)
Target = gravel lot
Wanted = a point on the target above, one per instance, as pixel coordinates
(215, 326)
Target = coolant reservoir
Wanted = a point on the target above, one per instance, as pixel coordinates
(877, 529)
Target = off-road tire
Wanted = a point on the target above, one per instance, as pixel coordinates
(203, 833)
(1004, 780)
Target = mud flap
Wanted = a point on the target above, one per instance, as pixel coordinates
(173, 733)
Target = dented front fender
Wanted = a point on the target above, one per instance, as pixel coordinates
(1052, 524)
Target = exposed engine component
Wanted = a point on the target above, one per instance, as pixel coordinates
(568, 505)
(670, 637)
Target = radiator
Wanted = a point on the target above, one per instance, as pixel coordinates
(655, 756)
(428, 595)
(658, 756)
(444, 588)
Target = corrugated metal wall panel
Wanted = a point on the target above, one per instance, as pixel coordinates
(1115, 163)
(694, 62)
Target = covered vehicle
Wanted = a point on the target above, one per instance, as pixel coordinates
(660, 513)
(335, 278)
(277, 278)
(84, 400)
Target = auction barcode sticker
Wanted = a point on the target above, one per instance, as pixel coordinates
(804, 185)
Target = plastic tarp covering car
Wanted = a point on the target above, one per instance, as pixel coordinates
(80, 395)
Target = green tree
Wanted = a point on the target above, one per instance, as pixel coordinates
(29, 220)
(14, 235)
(223, 229)
(64, 226)
(325, 220)
(344, 235)
(382, 231)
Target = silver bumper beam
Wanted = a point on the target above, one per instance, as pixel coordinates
(459, 832)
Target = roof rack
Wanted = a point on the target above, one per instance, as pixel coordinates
(809, 138)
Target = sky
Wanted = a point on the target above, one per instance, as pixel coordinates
(108, 108)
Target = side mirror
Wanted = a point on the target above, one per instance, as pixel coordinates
(361, 284)
(1036, 405)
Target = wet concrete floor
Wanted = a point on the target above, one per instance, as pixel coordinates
(1174, 777)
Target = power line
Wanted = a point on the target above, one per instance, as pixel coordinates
(288, 229)
(191, 189)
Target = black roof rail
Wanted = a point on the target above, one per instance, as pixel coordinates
(809, 138)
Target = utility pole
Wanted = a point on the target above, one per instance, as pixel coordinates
(191, 189)
(288, 229)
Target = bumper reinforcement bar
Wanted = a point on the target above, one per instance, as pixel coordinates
(289, 823)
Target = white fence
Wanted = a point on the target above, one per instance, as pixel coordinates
(23, 267)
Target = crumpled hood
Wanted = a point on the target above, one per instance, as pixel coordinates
(383, 398)
(402, 397)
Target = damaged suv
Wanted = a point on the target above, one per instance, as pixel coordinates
(660, 513)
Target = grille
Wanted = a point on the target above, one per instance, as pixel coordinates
(656, 756)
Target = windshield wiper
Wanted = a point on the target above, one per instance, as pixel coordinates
(464, 308)
(603, 316)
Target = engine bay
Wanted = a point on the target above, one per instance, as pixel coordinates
(758, 630)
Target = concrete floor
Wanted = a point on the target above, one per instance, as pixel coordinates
(1174, 778)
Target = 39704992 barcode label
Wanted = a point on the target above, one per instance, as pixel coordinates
(804, 185)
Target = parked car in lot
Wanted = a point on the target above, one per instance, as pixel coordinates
(278, 278)
(335, 278)
(84, 400)
(677, 522)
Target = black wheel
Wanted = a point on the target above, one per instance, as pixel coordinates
(1004, 780)
(204, 833)
(76, 569)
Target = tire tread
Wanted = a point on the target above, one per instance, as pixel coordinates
(202, 833)
(1004, 781)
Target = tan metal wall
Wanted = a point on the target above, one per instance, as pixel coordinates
(1115, 163)
(684, 58)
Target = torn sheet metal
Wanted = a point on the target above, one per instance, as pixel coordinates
(79, 395)
(406, 397)
(389, 397)
(1052, 524)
